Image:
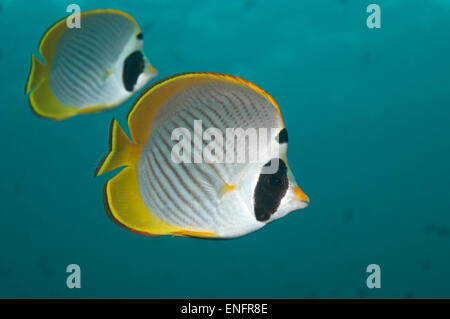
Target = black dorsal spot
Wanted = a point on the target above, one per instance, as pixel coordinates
(269, 191)
(133, 66)
(282, 137)
(140, 36)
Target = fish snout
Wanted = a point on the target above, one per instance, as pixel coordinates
(299, 195)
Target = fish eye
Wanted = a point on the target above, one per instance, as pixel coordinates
(282, 137)
(275, 181)
(140, 36)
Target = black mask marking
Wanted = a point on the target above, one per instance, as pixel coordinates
(133, 66)
(140, 36)
(282, 136)
(269, 191)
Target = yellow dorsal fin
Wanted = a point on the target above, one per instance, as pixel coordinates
(122, 152)
(146, 106)
(51, 36)
(125, 207)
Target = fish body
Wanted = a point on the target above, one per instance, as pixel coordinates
(89, 69)
(205, 194)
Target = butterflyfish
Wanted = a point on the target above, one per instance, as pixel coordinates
(89, 69)
(174, 178)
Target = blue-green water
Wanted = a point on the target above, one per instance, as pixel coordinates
(368, 114)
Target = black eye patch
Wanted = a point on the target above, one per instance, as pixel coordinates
(132, 67)
(282, 137)
(140, 36)
(269, 191)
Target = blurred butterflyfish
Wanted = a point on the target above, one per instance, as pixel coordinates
(89, 69)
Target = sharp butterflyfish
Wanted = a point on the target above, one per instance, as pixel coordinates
(181, 173)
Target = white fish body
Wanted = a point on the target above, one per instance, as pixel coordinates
(203, 199)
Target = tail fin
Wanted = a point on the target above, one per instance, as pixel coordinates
(122, 152)
(37, 74)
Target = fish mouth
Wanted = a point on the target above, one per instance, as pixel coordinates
(151, 70)
(300, 195)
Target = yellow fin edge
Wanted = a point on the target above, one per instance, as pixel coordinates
(41, 99)
(123, 202)
(37, 70)
(38, 85)
(124, 206)
(52, 34)
(122, 151)
(142, 113)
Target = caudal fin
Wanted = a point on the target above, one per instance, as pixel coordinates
(122, 152)
(37, 74)
(42, 101)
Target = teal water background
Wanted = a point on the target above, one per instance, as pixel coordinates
(368, 115)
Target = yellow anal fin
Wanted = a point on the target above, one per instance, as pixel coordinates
(194, 234)
(126, 208)
(122, 152)
(44, 104)
(93, 109)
